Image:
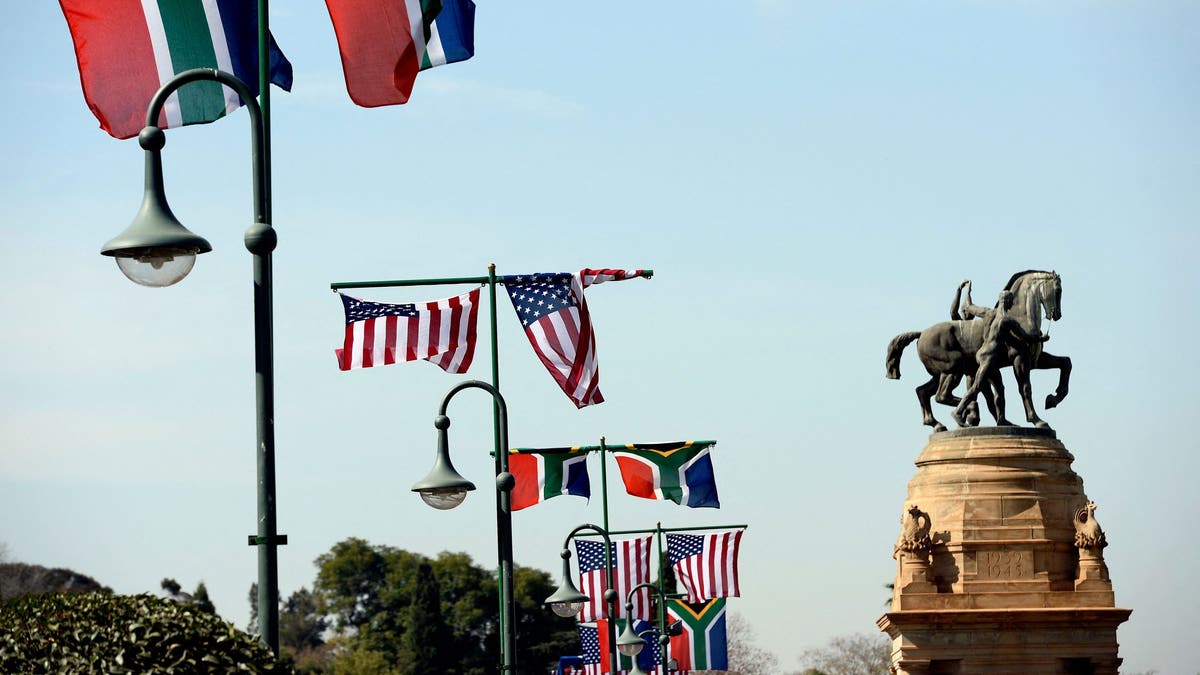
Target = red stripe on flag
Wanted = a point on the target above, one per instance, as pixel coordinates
(116, 62)
(389, 347)
(379, 59)
(637, 476)
(368, 343)
(410, 345)
(346, 353)
(524, 469)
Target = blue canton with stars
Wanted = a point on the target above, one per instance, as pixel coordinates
(361, 310)
(680, 546)
(591, 556)
(536, 295)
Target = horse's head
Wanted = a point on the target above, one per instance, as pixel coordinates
(1051, 296)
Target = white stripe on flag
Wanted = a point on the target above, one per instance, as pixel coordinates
(356, 350)
(434, 50)
(416, 27)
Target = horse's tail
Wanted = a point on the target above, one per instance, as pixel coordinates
(895, 349)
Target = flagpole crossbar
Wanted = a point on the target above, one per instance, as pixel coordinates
(683, 529)
(645, 274)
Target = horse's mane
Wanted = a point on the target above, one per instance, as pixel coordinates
(1012, 282)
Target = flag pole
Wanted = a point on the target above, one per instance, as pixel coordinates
(604, 480)
(268, 541)
(264, 92)
(500, 463)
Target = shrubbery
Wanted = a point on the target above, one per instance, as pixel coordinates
(101, 633)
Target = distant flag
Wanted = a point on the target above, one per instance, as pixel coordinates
(554, 313)
(127, 49)
(706, 565)
(681, 472)
(631, 566)
(441, 332)
(593, 642)
(702, 645)
(385, 43)
(547, 472)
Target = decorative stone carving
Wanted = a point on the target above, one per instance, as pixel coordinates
(914, 532)
(911, 552)
(1087, 531)
(1089, 538)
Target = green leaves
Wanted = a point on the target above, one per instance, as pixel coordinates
(101, 633)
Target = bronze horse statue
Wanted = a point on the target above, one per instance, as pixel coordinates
(948, 350)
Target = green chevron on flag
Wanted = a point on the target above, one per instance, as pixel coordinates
(702, 644)
(543, 473)
(681, 472)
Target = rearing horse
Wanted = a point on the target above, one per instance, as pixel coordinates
(948, 349)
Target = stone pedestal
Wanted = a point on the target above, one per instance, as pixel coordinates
(998, 583)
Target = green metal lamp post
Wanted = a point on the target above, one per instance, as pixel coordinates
(567, 600)
(156, 250)
(444, 488)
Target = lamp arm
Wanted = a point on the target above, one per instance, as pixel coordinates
(257, 147)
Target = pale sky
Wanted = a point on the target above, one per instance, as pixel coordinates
(806, 179)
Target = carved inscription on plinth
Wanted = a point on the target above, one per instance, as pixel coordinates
(1001, 565)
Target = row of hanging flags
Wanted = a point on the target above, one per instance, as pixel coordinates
(681, 472)
(551, 308)
(127, 49)
(707, 568)
(699, 646)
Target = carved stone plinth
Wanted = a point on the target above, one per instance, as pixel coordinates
(1012, 578)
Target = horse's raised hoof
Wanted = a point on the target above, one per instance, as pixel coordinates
(939, 427)
(1052, 401)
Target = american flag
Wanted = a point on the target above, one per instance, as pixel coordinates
(589, 643)
(597, 654)
(555, 316)
(631, 566)
(706, 565)
(441, 332)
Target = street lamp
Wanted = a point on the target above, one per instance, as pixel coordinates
(567, 600)
(156, 250)
(444, 488)
(631, 642)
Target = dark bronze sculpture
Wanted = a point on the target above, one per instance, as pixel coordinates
(1008, 335)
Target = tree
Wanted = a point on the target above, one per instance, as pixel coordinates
(398, 606)
(17, 579)
(745, 657)
(301, 624)
(424, 630)
(857, 654)
(197, 598)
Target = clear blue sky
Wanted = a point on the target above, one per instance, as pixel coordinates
(806, 179)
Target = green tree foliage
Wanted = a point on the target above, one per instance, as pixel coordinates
(102, 633)
(425, 629)
(301, 624)
(201, 600)
(197, 598)
(412, 610)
